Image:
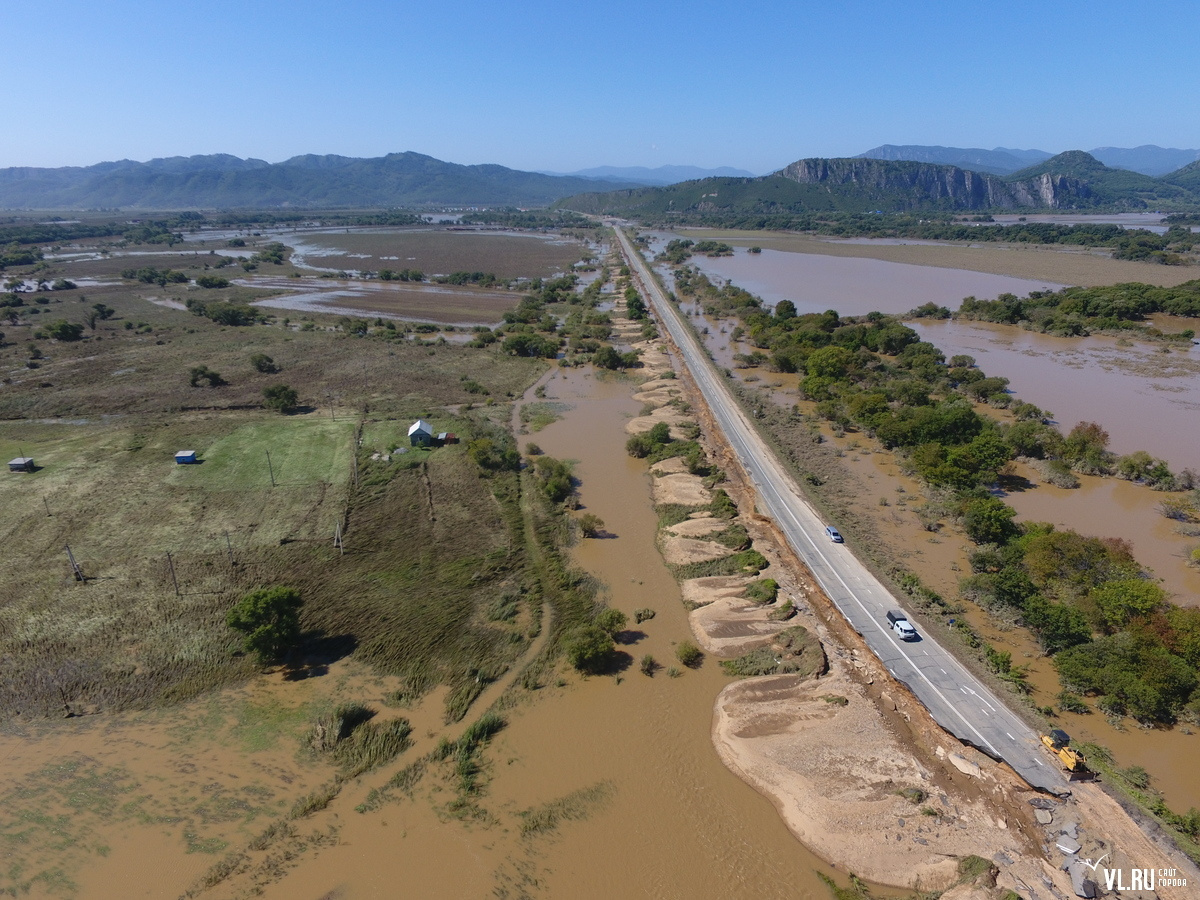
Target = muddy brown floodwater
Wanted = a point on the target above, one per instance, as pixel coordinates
(1145, 398)
(680, 823)
(855, 286)
(676, 822)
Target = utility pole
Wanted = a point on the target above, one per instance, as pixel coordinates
(78, 572)
(171, 565)
(47, 502)
(270, 468)
(229, 550)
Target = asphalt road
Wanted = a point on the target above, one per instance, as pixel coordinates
(955, 698)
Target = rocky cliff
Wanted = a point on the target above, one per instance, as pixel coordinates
(913, 185)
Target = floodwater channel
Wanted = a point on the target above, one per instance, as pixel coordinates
(680, 822)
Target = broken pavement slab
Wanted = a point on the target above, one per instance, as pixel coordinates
(965, 766)
(1067, 844)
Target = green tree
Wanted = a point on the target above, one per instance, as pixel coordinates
(785, 309)
(588, 647)
(607, 357)
(1124, 599)
(830, 362)
(281, 397)
(270, 620)
(65, 331)
(611, 620)
(1086, 447)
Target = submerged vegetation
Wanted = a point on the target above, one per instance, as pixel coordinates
(1081, 311)
(1112, 631)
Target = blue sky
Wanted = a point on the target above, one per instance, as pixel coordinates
(563, 85)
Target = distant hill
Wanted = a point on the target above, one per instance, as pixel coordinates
(1107, 186)
(222, 181)
(661, 176)
(1188, 177)
(1073, 180)
(997, 162)
(1147, 159)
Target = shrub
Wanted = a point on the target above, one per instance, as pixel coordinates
(688, 654)
(643, 615)
(764, 590)
(205, 374)
(648, 665)
(263, 363)
(212, 281)
(590, 525)
(281, 397)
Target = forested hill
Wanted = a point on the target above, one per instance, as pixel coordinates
(222, 181)
(1069, 181)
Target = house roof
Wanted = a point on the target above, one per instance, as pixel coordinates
(420, 425)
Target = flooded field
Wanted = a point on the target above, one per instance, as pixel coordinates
(435, 251)
(1053, 266)
(1146, 398)
(855, 286)
(1134, 389)
(390, 300)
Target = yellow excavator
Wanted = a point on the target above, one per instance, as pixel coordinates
(1059, 743)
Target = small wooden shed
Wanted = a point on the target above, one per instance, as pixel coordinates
(420, 434)
(185, 457)
(21, 464)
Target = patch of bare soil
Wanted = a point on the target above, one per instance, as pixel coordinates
(668, 414)
(823, 752)
(695, 528)
(702, 591)
(673, 465)
(680, 551)
(686, 490)
(728, 624)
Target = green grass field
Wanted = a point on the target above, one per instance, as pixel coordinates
(430, 541)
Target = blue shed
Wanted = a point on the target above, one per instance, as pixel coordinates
(185, 457)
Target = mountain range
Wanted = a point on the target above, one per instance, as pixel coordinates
(398, 179)
(1069, 181)
(1147, 159)
(660, 177)
(1074, 180)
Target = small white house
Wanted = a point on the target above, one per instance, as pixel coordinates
(185, 457)
(21, 464)
(420, 434)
